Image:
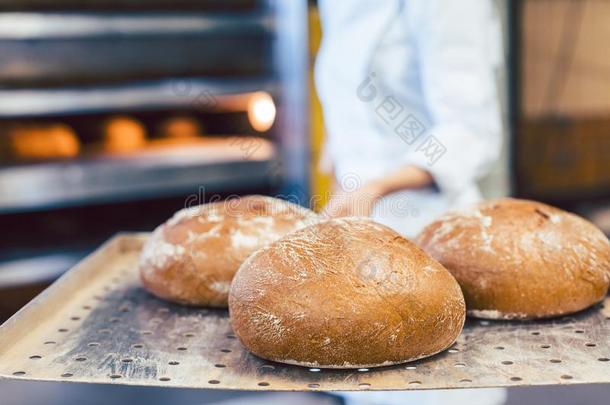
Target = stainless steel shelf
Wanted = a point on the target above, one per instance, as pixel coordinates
(189, 5)
(58, 49)
(46, 26)
(97, 325)
(198, 94)
(135, 176)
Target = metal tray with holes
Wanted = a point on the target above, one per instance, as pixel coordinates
(97, 325)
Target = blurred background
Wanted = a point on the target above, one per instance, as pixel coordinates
(116, 113)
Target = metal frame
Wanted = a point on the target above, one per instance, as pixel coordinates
(291, 53)
(514, 8)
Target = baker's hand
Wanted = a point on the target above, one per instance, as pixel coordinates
(359, 202)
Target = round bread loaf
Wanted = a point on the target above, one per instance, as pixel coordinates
(191, 259)
(345, 293)
(50, 141)
(123, 134)
(518, 259)
(182, 126)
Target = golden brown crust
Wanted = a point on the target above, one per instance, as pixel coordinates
(191, 259)
(123, 134)
(519, 259)
(345, 293)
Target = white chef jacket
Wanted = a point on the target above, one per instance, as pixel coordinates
(411, 82)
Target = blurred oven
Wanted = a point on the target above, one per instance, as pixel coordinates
(116, 113)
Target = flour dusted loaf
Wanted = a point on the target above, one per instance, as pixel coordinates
(518, 259)
(191, 258)
(345, 293)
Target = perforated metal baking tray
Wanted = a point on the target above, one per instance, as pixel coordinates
(97, 325)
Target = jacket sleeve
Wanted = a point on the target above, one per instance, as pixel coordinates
(351, 31)
(458, 45)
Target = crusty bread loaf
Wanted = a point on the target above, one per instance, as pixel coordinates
(123, 134)
(42, 141)
(181, 126)
(345, 293)
(192, 258)
(518, 259)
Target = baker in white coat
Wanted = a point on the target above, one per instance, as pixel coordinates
(411, 108)
(410, 105)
